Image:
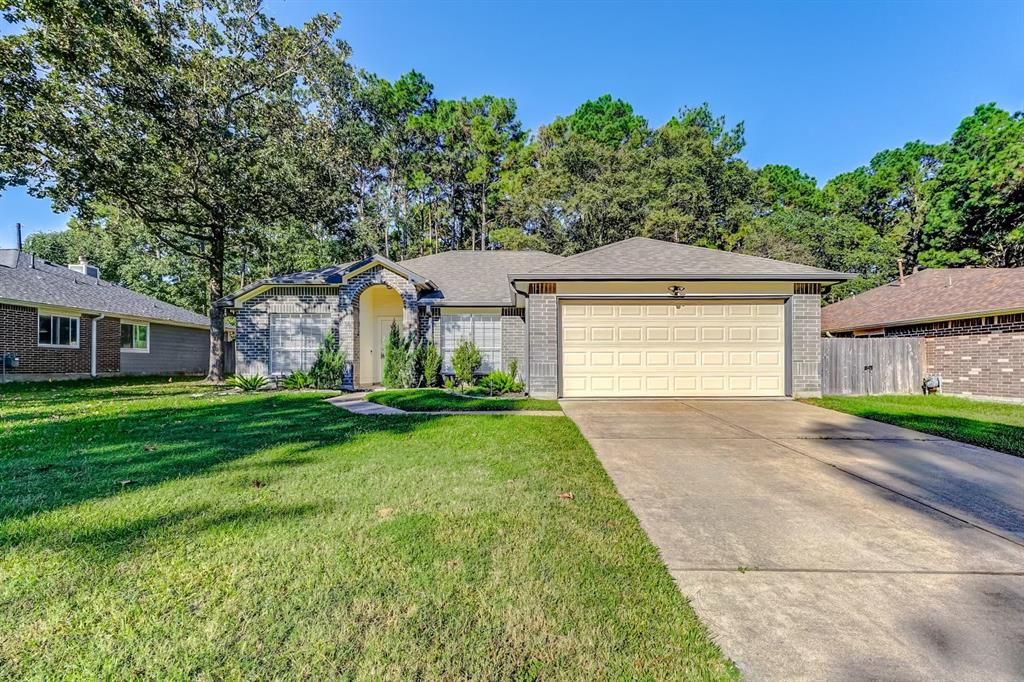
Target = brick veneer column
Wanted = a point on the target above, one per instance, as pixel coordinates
(542, 328)
(513, 338)
(348, 308)
(805, 339)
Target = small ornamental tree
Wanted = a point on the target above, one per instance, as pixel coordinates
(466, 360)
(329, 365)
(431, 365)
(397, 360)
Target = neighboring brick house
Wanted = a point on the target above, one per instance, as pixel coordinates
(66, 322)
(971, 319)
(637, 318)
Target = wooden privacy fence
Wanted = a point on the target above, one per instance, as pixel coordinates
(869, 366)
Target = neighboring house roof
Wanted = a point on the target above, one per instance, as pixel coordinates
(642, 258)
(25, 279)
(475, 277)
(928, 296)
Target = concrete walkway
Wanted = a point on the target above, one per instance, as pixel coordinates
(818, 545)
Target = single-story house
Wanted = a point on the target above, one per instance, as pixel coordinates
(637, 318)
(971, 321)
(66, 322)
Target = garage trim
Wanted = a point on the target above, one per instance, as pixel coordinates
(787, 308)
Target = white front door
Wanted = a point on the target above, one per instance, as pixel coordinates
(379, 343)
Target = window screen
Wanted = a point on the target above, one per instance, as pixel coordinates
(482, 329)
(134, 336)
(294, 341)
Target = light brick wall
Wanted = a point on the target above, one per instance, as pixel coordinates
(513, 339)
(981, 365)
(252, 322)
(348, 307)
(542, 327)
(805, 339)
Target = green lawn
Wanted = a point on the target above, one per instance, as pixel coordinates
(999, 426)
(170, 530)
(438, 400)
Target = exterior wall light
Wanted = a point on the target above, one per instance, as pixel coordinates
(676, 290)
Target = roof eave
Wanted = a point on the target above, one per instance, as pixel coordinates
(830, 278)
(111, 313)
(925, 320)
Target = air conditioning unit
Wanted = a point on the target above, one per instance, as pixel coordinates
(10, 361)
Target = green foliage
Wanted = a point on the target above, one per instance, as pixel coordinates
(513, 368)
(253, 382)
(298, 381)
(329, 365)
(398, 371)
(466, 360)
(431, 365)
(449, 383)
(514, 239)
(499, 383)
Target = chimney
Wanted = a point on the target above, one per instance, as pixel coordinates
(86, 268)
(900, 263)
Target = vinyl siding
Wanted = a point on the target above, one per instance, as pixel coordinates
(172, 350)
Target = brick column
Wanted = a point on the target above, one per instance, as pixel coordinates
(805, 346)
(542, 329)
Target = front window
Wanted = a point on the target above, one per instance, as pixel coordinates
(481, 328)
(58, 331)
(294, 341)
(135, 337)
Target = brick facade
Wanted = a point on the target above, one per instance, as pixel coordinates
(542, 329)
(513, 338)
(252, 322)
(19, 329)
(348, 308)
(805, 344)
(983, 365)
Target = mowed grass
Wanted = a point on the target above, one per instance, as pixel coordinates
(999, 426)
(170, 531)
(439, 400)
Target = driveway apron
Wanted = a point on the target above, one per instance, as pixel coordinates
(818, 545)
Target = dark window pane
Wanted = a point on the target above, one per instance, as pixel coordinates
(44, 329)
(74, 330)
(64, 331)
(126, 336)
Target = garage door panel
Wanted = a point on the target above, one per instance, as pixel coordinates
(672, 349)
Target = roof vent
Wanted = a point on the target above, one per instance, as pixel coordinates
(85, 267)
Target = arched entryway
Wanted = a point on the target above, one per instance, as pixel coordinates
(379, 307)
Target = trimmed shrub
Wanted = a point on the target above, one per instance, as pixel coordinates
(329, 366)
(466, 360)
(431, 365)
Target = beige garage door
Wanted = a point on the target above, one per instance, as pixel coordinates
(734, 348)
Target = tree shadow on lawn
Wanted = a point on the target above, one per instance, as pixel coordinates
(997, 436)
(53, 464)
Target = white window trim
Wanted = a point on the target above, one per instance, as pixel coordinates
(148, 337)
(40, 312)
(448, 345)
(273, 371)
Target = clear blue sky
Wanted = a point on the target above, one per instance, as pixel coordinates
(820, 86)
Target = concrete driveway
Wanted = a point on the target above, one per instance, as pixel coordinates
(818, 545)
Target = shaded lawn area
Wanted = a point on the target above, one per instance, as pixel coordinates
(999, 426)
(439, 400)
(165, 530)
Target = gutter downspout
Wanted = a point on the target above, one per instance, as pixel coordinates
(93, 372)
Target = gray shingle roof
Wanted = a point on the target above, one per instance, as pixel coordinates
(643, 258)
(475, 277)
(45, 284)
